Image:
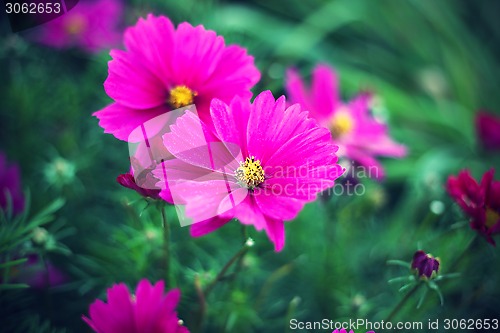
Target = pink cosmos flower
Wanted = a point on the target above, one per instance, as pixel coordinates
(164, 68)
(263, 162)
(359, 135)
(90, 25)
(146, 311)
(10, 186)
(488, 130)
(481, 202)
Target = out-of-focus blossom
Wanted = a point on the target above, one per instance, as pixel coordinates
(359, 135)
(164, 68)
(266, 162)
(10, 186)
(481, 202)
(90, 25)
(425, 265)
(37, 274)
(148, 310)
(488, 130)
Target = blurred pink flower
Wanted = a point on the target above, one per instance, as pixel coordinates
(10, 186)
(267, 161)
(359, 135)
(164, 68)
(481, 202)
(90, 25)
(149, 310)
(38, 274)
(488, 130)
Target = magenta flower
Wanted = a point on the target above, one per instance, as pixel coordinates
(164, 69)
(10, 186)
(127, 180)
(425, 265)
(90, 25)
(488, 130)
(146, 311)
(481, 202)
(359, 135)
(37, 274)
(266, 162)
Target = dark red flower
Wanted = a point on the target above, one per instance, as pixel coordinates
(127, 180)
(488, 130)
(481, 202)
(425, 265)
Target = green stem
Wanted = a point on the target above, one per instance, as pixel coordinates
(166, 244)
(222, 273)
(401, 303)
(462, 254)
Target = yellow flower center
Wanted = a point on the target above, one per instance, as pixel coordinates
(342, 123)
(75, 24)
(250, 173)
(491, 217)
(181, 96)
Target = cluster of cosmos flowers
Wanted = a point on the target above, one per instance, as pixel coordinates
(163, 68)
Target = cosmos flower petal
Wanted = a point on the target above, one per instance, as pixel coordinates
(277, 206)
(479, 201)
(234, 78)
(324, 91)
(230, 122)
(131, 84)
(273, 125)
(149, 310)
(205, 227)
(488, 130)
(198, 54)
(296, 91)
(275, 230)
(150, 40)
(110, 119)
(309, 146)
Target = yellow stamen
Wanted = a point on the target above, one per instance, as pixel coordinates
(181, 96)
(492, 217)
(250, 173)
(75, 24)
(342, 123)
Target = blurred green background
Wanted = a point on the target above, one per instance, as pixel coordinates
(432, 63)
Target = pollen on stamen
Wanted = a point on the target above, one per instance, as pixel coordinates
(181, 96)
(250, 173)
(342, 123)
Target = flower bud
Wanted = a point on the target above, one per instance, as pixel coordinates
(425, 265)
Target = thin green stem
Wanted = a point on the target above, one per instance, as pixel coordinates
(401, 303)
(222, 273)
(166, 244)
(462, 254)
